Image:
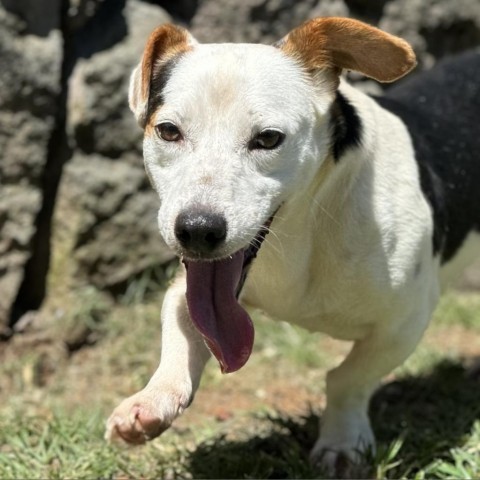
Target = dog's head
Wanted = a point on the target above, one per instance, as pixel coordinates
(233, 131)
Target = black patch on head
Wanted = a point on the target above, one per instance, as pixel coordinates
(346, 126)
(441, 109)
(160, 76)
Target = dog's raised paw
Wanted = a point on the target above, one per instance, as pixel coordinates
(144, 416)
(139, 426)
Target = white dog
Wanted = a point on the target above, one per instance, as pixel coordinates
(362, 206)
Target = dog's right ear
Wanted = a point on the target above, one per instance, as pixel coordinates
(165, 43)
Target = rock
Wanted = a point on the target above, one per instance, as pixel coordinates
(99, 118)
(107, 216)
(248, 21)
(17, 212)
(367, 10)
(40, 16)
(29, 89)
(183, 10)
(82, 11)
(434, 28)
(105, 188)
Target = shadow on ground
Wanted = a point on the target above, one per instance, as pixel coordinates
(433, 413)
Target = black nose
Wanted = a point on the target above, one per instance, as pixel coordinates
(200, 230)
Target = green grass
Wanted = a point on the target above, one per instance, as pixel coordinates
(66, 446)
(52, 448)
(426, 419)
(288, 342)
(459, 309)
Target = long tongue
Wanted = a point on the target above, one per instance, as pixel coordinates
(214, 309)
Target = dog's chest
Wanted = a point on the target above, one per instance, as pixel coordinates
(320, 294)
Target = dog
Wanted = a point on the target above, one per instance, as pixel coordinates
(283, 188)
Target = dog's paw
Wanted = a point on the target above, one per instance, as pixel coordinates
(339, 461)
(344, 456)
(145, 415)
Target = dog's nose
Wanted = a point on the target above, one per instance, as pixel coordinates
(200, 231)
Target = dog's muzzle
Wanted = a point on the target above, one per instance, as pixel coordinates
(213, 288)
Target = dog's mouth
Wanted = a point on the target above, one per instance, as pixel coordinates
(213, 289)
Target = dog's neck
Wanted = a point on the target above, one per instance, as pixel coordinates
(314, 228)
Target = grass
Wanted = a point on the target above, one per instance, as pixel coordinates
(66, 446)
(258, 423)
(459, 310)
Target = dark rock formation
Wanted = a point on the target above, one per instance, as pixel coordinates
(116, 236)
(30, 86)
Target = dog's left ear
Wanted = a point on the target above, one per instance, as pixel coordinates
(165, 43)
(343, 43)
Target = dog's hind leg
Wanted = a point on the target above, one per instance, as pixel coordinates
(345, 432)
(151, 411)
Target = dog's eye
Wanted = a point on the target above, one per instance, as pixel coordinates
(169, 132)
(267, 140)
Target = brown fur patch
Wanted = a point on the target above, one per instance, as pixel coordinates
(149, 130)
(206, 180)
(164, 42)
(343, 43)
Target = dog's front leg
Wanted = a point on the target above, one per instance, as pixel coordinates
(151, 411)
(345, 431)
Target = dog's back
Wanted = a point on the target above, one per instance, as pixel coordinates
(441, 110)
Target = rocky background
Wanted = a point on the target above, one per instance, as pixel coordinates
(76, 210)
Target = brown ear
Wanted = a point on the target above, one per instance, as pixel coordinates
(344, 43)
(165, 43)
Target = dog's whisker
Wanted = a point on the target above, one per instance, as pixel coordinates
(277, 246)
(329, 215)
(256, 242)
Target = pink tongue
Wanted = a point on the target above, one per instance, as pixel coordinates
(225, 325)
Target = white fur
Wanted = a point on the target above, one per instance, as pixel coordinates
(350, 249)
(213, 165)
